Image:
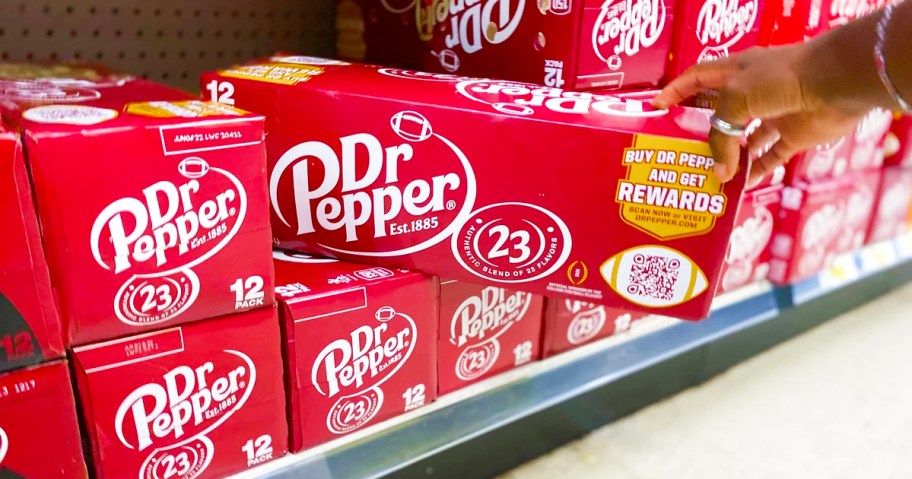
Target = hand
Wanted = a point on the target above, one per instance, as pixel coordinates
(778, 86)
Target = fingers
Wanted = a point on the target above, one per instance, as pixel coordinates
(696, 79)
(759, 83)
(777, 155)
(732, 108)
(726, 153)
(763, 137)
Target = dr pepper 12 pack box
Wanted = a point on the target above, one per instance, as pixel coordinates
(152, 205)
(552, 192)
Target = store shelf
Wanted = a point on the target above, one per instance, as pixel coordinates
(170, 41)
(849, 269)
(492, 426)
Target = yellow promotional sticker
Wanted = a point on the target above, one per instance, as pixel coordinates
(280, 73)
(181, 109)
(670, 190)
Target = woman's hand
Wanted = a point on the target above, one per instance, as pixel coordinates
(777, 86)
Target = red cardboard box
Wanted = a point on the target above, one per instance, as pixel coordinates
(195, 401)
(361, 344)
(860, 151)
(39, 433)
(26, 85)
(363, 27)
(30, 329)
(707, 30)
(797, 21)
(153, 213)
(893, 204)
(898, 142)
(574, 44)
(807, 231)
(570, 324)
(861, 199)
(484, 331)
(748, 255)
(776, 178)
(868, 141)
(820, 221)
(821, 163)
(387, 173)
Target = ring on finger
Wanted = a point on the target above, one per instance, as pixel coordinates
(725, 127)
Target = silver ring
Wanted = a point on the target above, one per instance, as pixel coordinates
(725, 127)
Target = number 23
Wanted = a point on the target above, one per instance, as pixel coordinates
(520, 244)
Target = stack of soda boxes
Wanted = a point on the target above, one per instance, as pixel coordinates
(553, 43)
(843, 195)
(158, 214)
(35, 392)
(155, 273)
(611, 45)
(374, 165)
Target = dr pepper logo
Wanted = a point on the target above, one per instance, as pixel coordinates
(749, 239)
(186, 401)
(747, 243)
(625, 27)
(466, 24)
(164, 230)
(477, 324)
(352, 368)
(588, 320)
(360, 194)
(522, 99)
(486, 316)
(721, 23)
(177, 411)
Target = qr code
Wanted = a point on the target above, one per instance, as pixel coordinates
(653, 276)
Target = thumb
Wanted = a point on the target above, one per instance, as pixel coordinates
(732, 108)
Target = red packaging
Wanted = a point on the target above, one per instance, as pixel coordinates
(484, 331)
(868, 141)
(174, 230)
(748, 255)
(574, 44)
(365, 28)
(898, 142)
(807, 231)
(39, 433)
(860, 196)
(504, 202)
(769, 16)
(196, 401)
(893, 204)
(820, 221)
(797, 21)
(707, 30)
(776, 178)
(361, 344)
(570, 324)
(860, 151)
(26, 85)
(30, 330)
(623, 43)
(821, 163)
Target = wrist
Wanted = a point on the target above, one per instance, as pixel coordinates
(893, 59)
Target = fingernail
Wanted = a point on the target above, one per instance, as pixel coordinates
(660, 104)
(721, 170)
(752, 182)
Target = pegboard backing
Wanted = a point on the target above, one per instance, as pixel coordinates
(171, 41)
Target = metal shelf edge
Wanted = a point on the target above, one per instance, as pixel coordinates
(469, 414)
